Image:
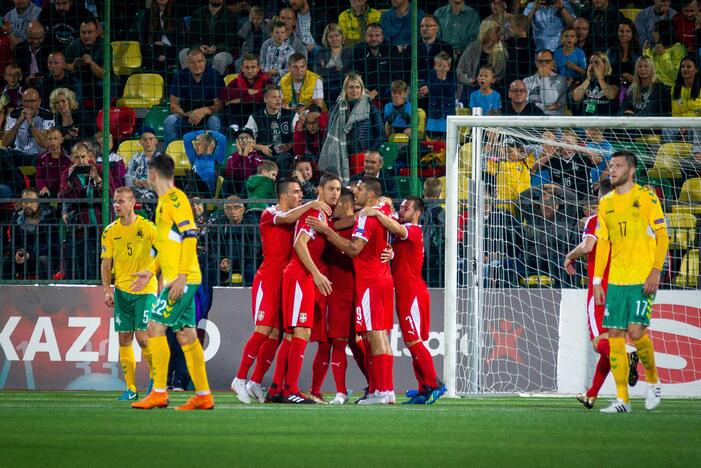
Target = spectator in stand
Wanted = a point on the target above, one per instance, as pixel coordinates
(375, 61)
(582, 27)
(289, 18)
(242, 163)
(194, 98)
(373, 167)
(646, 96)
(570, 60)
(275, 52)
(243, 96)
(230, 243)
(686, 97)
(397, 114)
(686, 25)
(11, 97)
(459, 23)
(136, 175)
(485, 97)
(51, 163)
(518, 103)
(433, 223)
(161, 34)
(503, 256)
(499, 12)
(24, 136)
(604, 19)
(548, 20)
(58, 77)
(519, 50)
(667, 54)
(67, 116)
(310, 132)
(304, 173)
(301, 87)
(510, 165)
(62, 20)
(304, 27)
(546, 89)
(440, 90)
(116, 163)
(625, 53)
(252, 34)
(273, 127)
(212, 31)
(31, 55)
(354, 20)
(598, 93)
(331, 60)
(647, 19)
(84, 58)
(355, 126)
(19, 17)
(261, 185)
(486, 49)
(396, 24)
(206, 152)
(426, 49)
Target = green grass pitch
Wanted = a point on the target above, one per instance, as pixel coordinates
(92, 429)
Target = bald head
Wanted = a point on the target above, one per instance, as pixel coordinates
(35, 34)
(518, 93)
(30, 99)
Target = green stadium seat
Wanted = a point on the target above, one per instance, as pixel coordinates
(404, 186)
(388, 150)
(154, 119)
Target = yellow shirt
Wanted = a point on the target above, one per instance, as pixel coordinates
(174, 222)
(512, 177)
(131, 248)
(351, 26)
(685, 106)
(629, 222)
(306, 91)
(667, 62)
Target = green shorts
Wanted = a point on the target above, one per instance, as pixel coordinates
(626, 305)
(179, 314)
(131, 311)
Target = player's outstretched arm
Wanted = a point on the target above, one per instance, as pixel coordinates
(388, 222)
(291, 216)
(321, 281)
(584, 247)
(106, 276)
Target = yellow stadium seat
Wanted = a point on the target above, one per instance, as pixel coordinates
(675, 150)
(217, 193)
(630, 13)
(689, 197)
(176, 150)
(665, 167)
(143, 91)
(651, 139)
(126, 57)
(688, 276)
(402, 138)
(127, 148)
(229, 78)
(537, 281)
(422, 123)
(28, 170)
(682, 230)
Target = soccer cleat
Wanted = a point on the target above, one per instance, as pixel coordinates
(391, 397)
(617, 406)
(339, 399)
(435, 393)
(198, 402)
(274, 398)
(377, 398)
(417, 399)
(239, 387)
(152, 400)
(653, 397)
(318, 398)
(128, 395)
(298, 399)
(633, 372)
(586, 401)
(366, 393)
(411, 393)
(255, 391)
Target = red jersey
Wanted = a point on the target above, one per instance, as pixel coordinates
(340, 265)
(367, 264)
(590, 231)
(408, 260)
(316, 244)
(276, 240)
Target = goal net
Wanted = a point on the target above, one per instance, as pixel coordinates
(518, 192)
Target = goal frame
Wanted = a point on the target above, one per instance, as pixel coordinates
(477, 123)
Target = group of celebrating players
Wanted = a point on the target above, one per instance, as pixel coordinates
(331, 271)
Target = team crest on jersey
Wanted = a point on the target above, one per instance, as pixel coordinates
(261, 315)
(636, 203)
(139, 233)
(303, 317)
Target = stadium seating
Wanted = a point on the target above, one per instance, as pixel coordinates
(143, 90)
(176, 149)
(682, 230)
(122, 121)
(388, 150)
(217, 193)
(537, 281)
(127, 148)
(630, 13)
(675, 150)
(229, 78)
(154, 119)
(355, 163)
(688, 276)
(126, 57)
(689, 197)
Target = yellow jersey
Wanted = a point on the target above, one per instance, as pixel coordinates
(174, 222)
(512, 177)
(131, 249)
(629, 222)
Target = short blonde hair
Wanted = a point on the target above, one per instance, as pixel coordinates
(56, 93)
(332, 27)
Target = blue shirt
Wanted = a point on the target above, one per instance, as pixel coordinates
(204, 165)
(547, 25)
(397, 29)
(606, 150)
(577, 57)
(486, 102)
(192, 94)
(402, 116)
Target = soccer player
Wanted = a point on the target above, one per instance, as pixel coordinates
(276, 232)
(631, 227)
(176, 259)
(373, 289)
(127, 244)
(595, 313)
(411, 294)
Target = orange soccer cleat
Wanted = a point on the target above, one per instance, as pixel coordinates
(198, 402)
(152, 400)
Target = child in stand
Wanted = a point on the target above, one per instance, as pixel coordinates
(117, 166)
(397, 113)
(261, 186)
(570, 60)
(485, 97)
(441, 95)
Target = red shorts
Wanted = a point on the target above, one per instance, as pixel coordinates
(319, 329)
(340, 313)
(298, 291)
(265, 297)
(414, 314)
(595, 317)
(374, 305)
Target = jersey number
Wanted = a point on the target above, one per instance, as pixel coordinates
(130, 251)
(622, 228)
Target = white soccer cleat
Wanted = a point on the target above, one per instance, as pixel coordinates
(617, 406)
(653, 397)
(239, 386)
(339, 399)
(255, 391)
(377, 398)
(391, 397)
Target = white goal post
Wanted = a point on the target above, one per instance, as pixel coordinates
(464, 341)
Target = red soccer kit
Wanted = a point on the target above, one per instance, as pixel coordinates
(340, 310)
(413, 300)
(595, 313)
(374, 288)
(298, 289)
(276, 240)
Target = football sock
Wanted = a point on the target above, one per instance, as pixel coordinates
(266, 356)
(149, 360)
(249, 353)
(379, 367)
(358, 350)
(417, 374)
(424, 362)
(160, 355)
(647, 356)
(389, 372)
(369, 366)
(320, 367)
(128, 362)
(619, 367)
(339, 365)
(603, 366)
(295, 359)
(194, 358)
(280, 366)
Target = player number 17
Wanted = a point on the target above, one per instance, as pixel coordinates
(622, 228)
